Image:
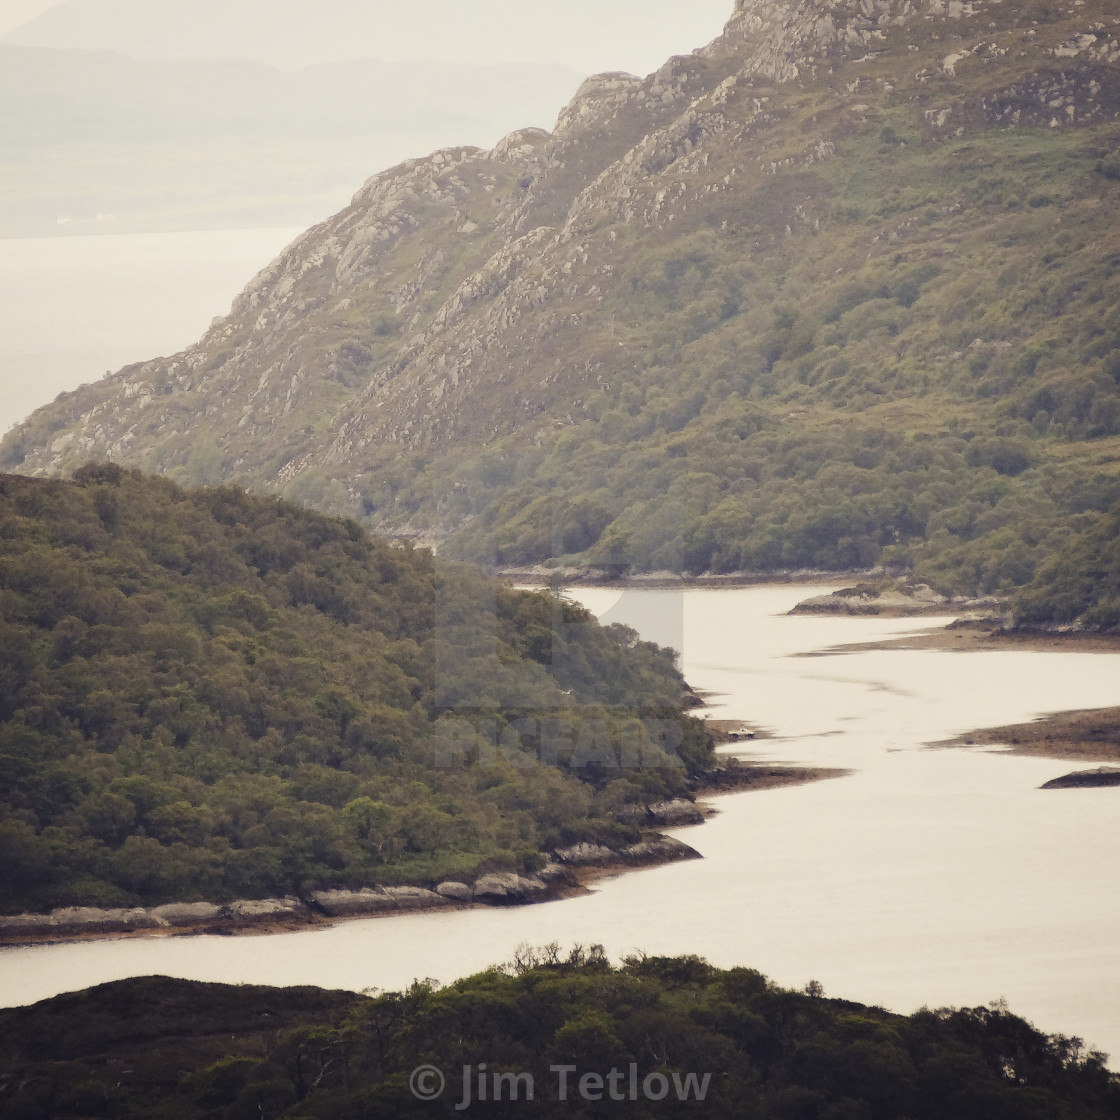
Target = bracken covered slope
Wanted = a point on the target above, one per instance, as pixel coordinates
(839, 289)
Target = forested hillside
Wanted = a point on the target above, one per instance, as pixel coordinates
(208, 695)
(839, 290)
(1080, 583)
(728, 1042)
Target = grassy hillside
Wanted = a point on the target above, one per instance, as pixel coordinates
(840, 290)
(209, 695)
(165, 1049)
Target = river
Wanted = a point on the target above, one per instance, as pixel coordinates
(927, 877)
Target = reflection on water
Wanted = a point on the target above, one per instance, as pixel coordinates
(927, 877)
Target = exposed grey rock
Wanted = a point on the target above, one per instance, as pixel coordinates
(18, 925)
(507, 888)
(661, 849)
(186, 913)
(80, 919)
(455, 892)
(257, 908)
(669, 814)
(414, 898)
(579, 854)
(926, 594)
(554, 873)
(340, 903)
(904, 599)
(833, 604)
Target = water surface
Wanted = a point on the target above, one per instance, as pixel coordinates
(926, 877)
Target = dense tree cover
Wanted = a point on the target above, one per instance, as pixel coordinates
(210, 695)
(1080, 584)
(208, 1051)
(924, 373)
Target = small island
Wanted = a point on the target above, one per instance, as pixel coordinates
(1086, 779)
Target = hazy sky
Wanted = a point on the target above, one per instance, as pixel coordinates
(15, 12)
(589, 35)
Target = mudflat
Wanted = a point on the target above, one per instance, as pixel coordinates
(1090, 736)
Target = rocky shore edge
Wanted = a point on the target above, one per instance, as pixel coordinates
(565, 872)
(900, 599)
(562, 875)
(560, 576)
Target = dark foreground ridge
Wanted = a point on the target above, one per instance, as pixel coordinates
(634, 1041)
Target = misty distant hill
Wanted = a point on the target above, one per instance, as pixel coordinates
(61, 96)
(216, 143)
(293, 34)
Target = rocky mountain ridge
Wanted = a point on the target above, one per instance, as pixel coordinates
(471, 311)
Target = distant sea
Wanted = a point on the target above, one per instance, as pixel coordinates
(74, 308)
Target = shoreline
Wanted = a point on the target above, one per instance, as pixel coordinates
(1089, 736)
(567, 873)
(977, 635)
(564, 578)
(1080, 735)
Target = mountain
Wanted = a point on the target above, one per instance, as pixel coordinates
(210, 144)
(839, 289)
(208, 695)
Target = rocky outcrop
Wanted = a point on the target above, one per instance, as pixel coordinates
(186, 913)
(656, 849)
(902, 600)
(496, 888)
(455, 892)
(665, 814)
(266, 909)
(77, 921)
(374, 900)
(508, 889)
(1086, 779)
(73, 920)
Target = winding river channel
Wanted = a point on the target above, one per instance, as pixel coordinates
(925, 877)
